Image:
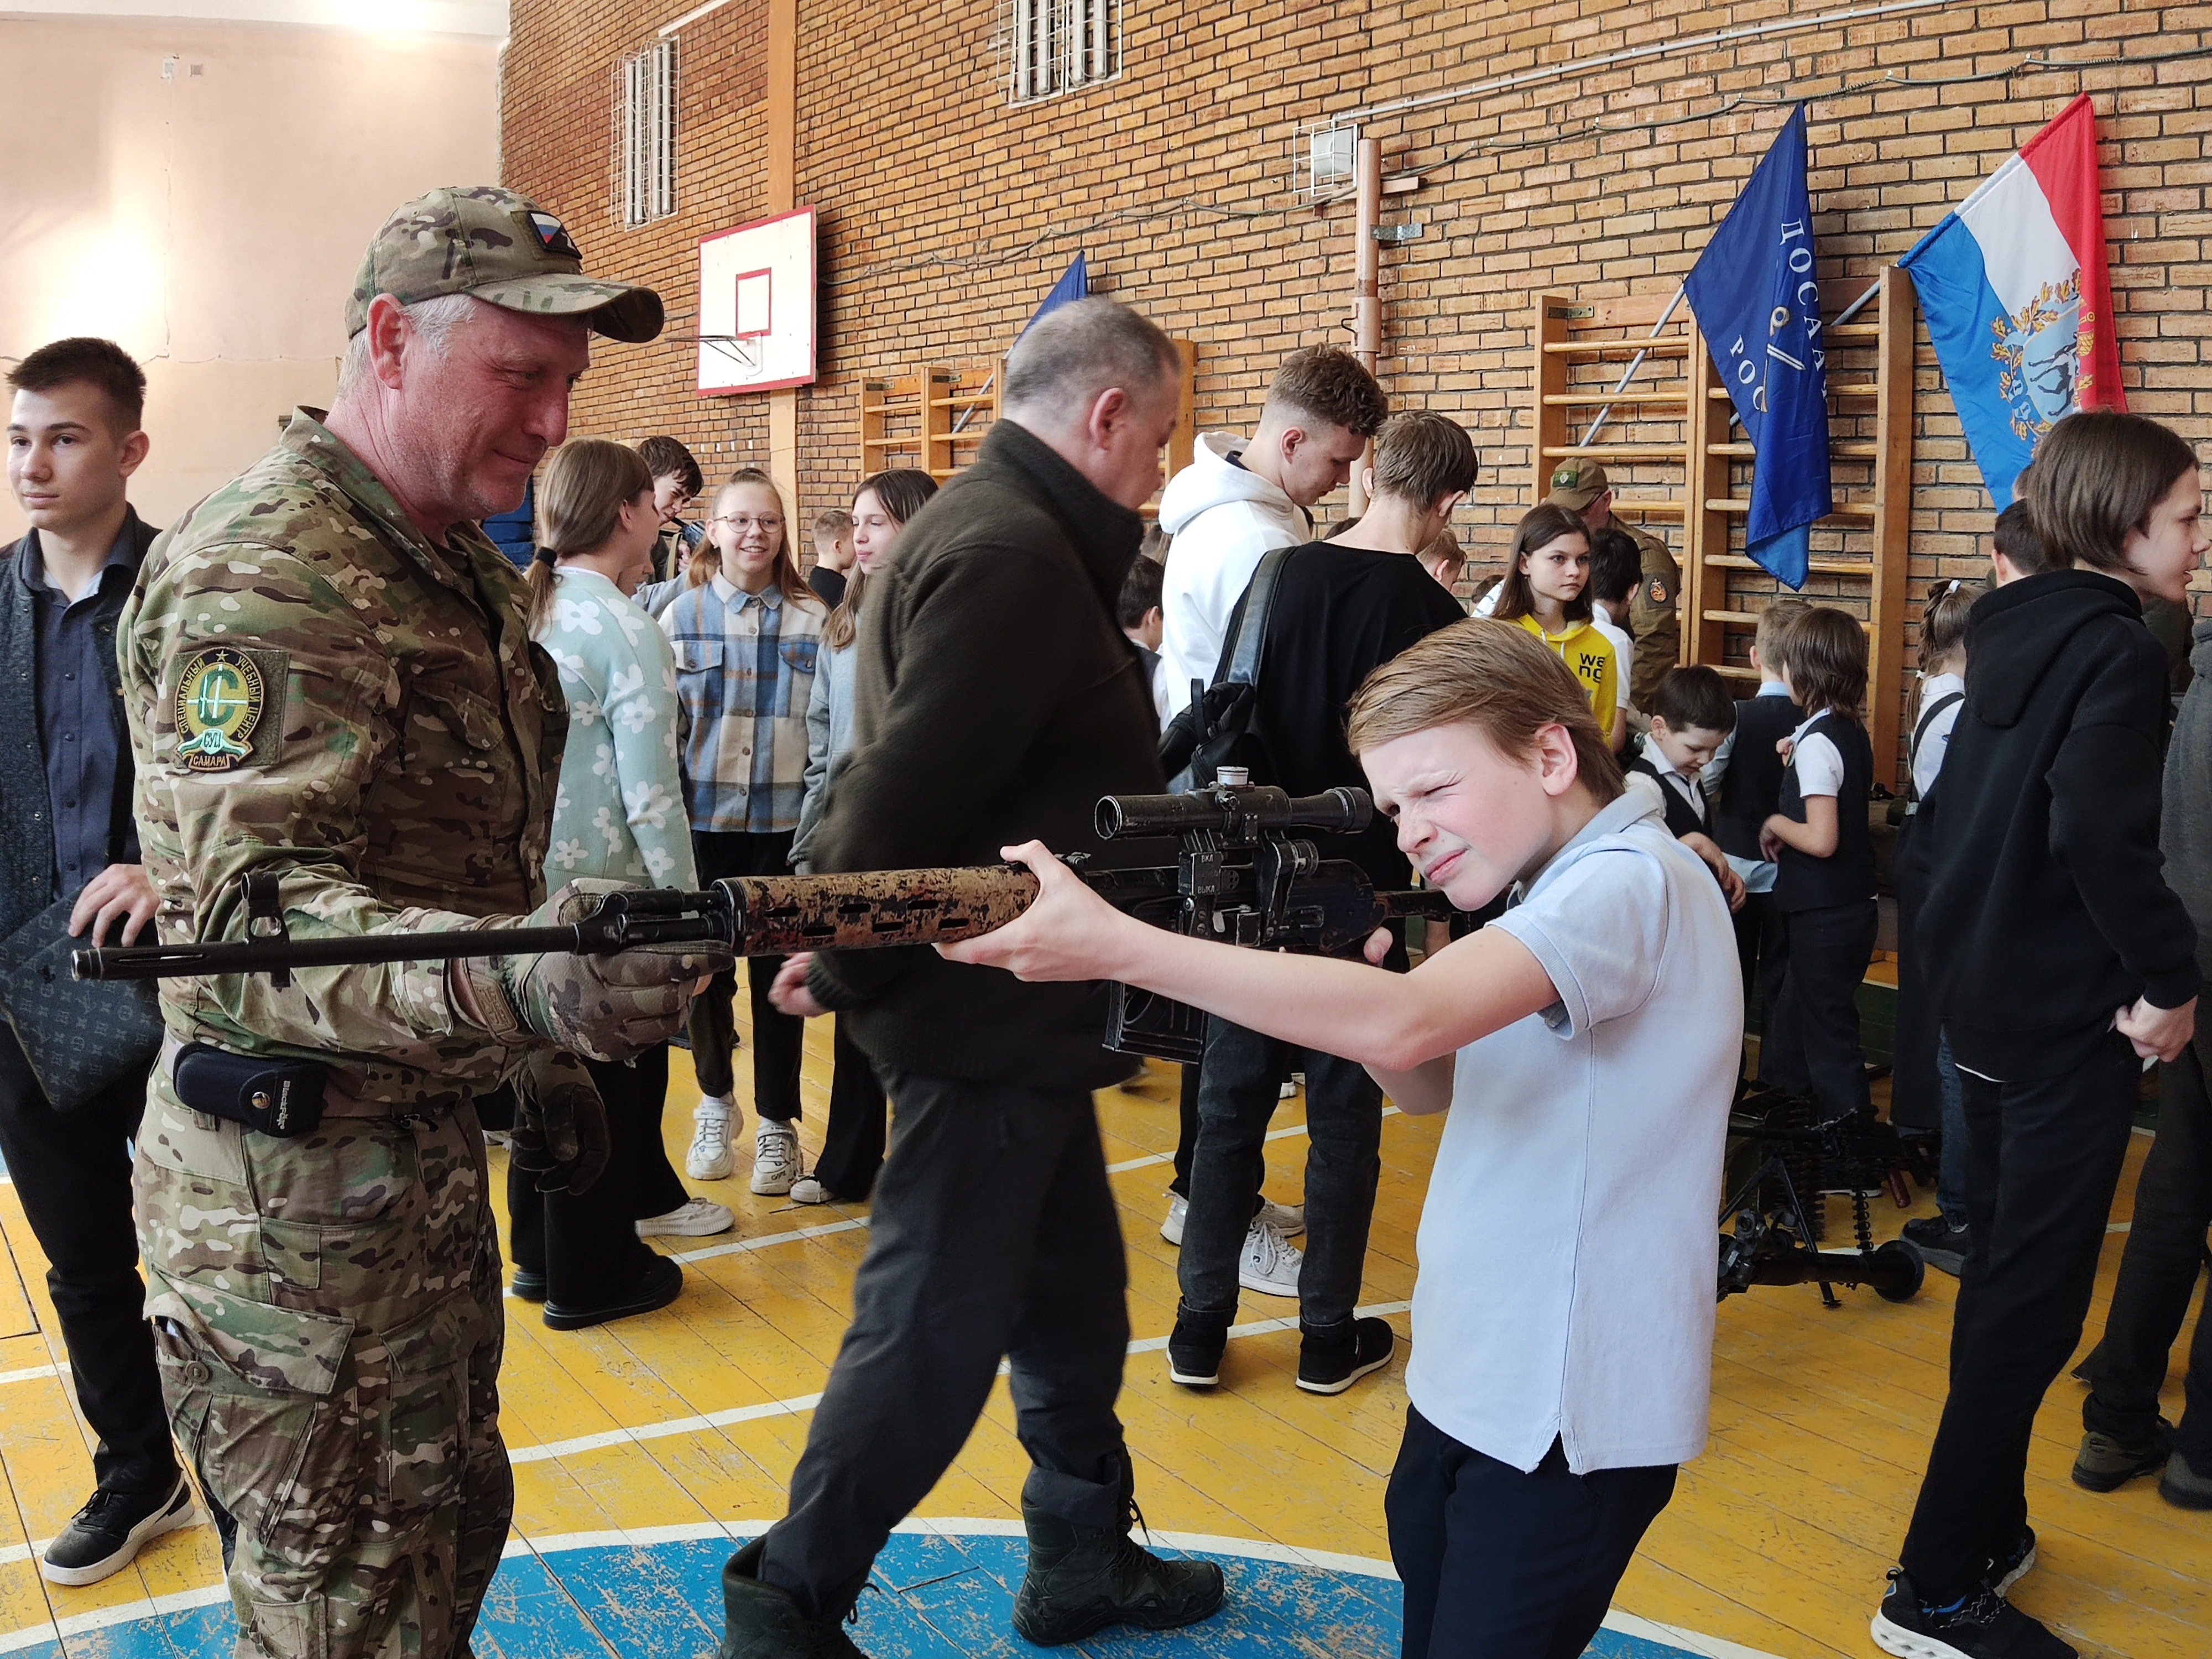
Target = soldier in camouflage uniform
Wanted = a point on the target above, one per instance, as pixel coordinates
(331, 681)
(1582, 488)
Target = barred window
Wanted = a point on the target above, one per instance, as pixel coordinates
(1059, 47)
(644, 134)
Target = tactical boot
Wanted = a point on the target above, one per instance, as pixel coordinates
(1082, 1579)
(762, 1620)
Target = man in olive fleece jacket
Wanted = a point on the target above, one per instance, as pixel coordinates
(997, 699)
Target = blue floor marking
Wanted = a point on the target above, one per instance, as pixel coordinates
(939, 1597)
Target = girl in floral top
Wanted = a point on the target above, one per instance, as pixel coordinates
(746, 629)
(619, 817)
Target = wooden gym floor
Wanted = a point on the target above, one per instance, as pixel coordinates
(643, 1448)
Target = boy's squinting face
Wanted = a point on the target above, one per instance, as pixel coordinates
(1473, 819)
(1689, 751)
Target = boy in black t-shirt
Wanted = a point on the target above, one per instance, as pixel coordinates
(1341, 609)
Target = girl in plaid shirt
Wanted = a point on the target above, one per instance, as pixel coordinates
(746, 630)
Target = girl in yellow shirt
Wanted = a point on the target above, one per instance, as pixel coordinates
(1545, 592)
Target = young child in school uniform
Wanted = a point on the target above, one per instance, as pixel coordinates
(1823, 853)
(1925, 1093)
(1692, 716)
(1745, 783)
(1585, 1048)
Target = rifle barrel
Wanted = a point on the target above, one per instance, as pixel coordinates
(260, 955)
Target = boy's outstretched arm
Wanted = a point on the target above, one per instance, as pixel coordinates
(1392, 1022)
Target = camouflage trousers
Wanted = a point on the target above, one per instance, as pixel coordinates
(326, 1312)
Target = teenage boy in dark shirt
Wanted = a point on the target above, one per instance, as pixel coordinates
(1341, 609)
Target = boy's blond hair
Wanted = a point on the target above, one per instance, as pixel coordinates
(1773, 622)
(1493, 675)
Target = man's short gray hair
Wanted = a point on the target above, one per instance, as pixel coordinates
(434, 320)
(1085, 348)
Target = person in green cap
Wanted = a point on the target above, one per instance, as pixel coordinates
(1584, 489)
(330, 685)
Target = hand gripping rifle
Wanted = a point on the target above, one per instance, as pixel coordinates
(1244, 875)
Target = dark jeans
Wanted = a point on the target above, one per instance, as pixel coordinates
(1186, 1130)
(1500, 1564)
(72, 1172)
(1762, 951)
(852, 1141)
(995, 1235)
(2158, 1275)
(2042, 1160)
(1238, 1093)
(1812, 1045)
(584, 1243)
(777, 1038)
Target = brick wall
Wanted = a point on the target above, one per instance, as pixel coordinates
(946, 214)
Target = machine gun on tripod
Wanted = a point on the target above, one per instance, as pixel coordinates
(1776, 1237)
(1243, 874)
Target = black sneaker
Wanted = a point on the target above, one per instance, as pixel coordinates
(2183, 1487)
(1982, 1626)
(2106, 1462)
(528, 1286)
(111, 1529)
(1332, 1358)
(1941, 1244)
(1194, 1350)
(2014, 1564)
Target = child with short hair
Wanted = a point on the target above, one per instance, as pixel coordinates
(833, 555)
(1545, 592)
(1823, 853)
(1925, 1093)
(1692, 716)
(1616, 565)
(1563, 1318)
(1138, 611)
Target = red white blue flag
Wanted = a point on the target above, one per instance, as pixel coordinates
(2014, 288)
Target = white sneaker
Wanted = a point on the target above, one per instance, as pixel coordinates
(698, 1218)
(710, 1158)
(1290, 1089)
(1171, 1228)
(1269, 1264)
(1288, 1219)
(775, 1158)
(807, 1190)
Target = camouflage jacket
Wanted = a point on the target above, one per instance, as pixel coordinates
(316, 690)
(1651, 616)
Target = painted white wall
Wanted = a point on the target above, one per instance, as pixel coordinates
(201, 193)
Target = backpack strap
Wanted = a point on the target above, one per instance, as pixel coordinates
(1949, 699)
(1240, 665)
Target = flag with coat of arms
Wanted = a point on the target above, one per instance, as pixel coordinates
(2019, 306)
(1757, 300)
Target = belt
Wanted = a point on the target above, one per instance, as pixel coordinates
(336, 1102)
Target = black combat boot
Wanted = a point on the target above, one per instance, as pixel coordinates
(1082, 1579)
(762, 1620)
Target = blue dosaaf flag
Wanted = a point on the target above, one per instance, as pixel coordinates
(1074, 284)
(1758, 306)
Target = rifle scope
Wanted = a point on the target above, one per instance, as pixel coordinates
(1237, 811)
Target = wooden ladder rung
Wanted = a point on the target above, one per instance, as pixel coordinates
(1740, 504)
(1618, 400)
(1616, 452)
(1750, 619)
(1842, 449)
(1818, 567)
(1647, 509)
(1669, 347)
(1849, 389)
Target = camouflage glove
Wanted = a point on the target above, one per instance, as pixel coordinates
(605, 1007)
(560, 1131)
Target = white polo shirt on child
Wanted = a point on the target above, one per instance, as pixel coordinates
(1569, 1244)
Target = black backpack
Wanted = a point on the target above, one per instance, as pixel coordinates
(1215, 728)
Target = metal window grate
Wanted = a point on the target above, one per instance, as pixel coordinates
(1057, 47)
(644, 134)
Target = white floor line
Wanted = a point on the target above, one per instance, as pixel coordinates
(31, 1374)
(1154, 1158)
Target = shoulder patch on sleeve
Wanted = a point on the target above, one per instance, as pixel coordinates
(1656, 590)
(223, 712)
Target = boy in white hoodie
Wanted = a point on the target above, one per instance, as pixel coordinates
(1236, 502)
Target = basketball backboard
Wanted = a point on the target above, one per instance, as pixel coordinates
(757, 306)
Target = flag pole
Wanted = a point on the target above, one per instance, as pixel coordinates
(1637, 362)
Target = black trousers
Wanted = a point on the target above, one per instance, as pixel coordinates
(1811, 1046)
(72, 1172)
(1502, 1564)
(853, 1140)
(2158, 1274)
(1915, 1089)
(584, 1243)
(1762, 951)
(2042, 1160)
(995, 1235)
(778, 1038)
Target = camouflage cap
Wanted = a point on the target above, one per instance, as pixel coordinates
(1577, 484)
(480, 240)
